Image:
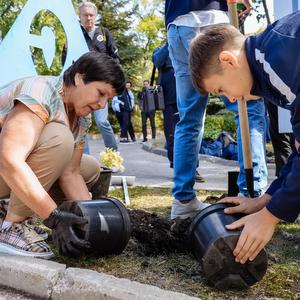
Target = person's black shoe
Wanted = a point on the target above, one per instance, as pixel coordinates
(124, 141)
(198, 177)
(144, 140)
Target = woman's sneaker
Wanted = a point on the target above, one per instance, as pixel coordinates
(20, 239)
(3, 209)
(40, 231)
(29, 222)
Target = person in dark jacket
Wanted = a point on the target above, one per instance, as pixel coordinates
(98, 39)
(166, 80)
(126, 106)
(145, 113)
(268, 66)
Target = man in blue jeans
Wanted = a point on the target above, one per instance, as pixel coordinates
(183, 20)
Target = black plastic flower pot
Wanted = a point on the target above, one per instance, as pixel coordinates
(108, 228)
(101, 187)
(213, 246)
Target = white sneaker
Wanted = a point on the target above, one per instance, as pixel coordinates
(186, 210)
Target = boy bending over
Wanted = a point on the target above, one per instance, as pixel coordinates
(268, 66)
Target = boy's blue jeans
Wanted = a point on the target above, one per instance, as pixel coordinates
(104, 127)
(189, 130)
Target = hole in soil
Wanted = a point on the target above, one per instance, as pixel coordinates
(153, 235)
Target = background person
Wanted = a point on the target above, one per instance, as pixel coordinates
(126, 106)
(145, 113)
(98, 39)
(115, 105)
(43, 123)
(166, 80)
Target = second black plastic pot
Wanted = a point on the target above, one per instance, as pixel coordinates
(213, 246)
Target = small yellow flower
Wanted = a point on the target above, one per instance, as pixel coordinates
(112, 159)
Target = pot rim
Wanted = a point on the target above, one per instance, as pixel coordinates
(203, 213)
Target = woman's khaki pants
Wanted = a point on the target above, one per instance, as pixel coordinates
(48, 160)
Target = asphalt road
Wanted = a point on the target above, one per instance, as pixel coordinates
(153, 170)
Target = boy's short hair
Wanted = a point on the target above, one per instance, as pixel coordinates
(146, 80)
(205, 49)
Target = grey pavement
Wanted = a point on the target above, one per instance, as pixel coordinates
(151, 166)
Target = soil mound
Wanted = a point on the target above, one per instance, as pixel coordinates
(153, 234)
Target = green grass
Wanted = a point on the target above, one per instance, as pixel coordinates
(181, 273)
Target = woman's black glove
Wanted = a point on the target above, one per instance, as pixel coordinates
(62, 223)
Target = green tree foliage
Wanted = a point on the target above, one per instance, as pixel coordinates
(151, 32)
(118, 16)
(9, 10)
(40, 20)
(262, 10)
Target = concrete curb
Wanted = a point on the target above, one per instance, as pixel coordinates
(51, 280)
(212, 159)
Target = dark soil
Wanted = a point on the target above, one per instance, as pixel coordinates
(153, 235)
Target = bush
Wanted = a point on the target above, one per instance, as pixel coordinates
(229, 124)
(214, 125)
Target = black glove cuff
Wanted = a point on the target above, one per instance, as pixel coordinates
(53, 219)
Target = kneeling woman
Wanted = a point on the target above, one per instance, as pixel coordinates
(43, 123)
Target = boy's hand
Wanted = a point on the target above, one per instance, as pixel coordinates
(245, 205)
(257, 232)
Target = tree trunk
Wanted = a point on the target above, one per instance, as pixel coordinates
(266, 11)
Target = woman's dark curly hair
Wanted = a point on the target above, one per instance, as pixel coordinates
(95, 66)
